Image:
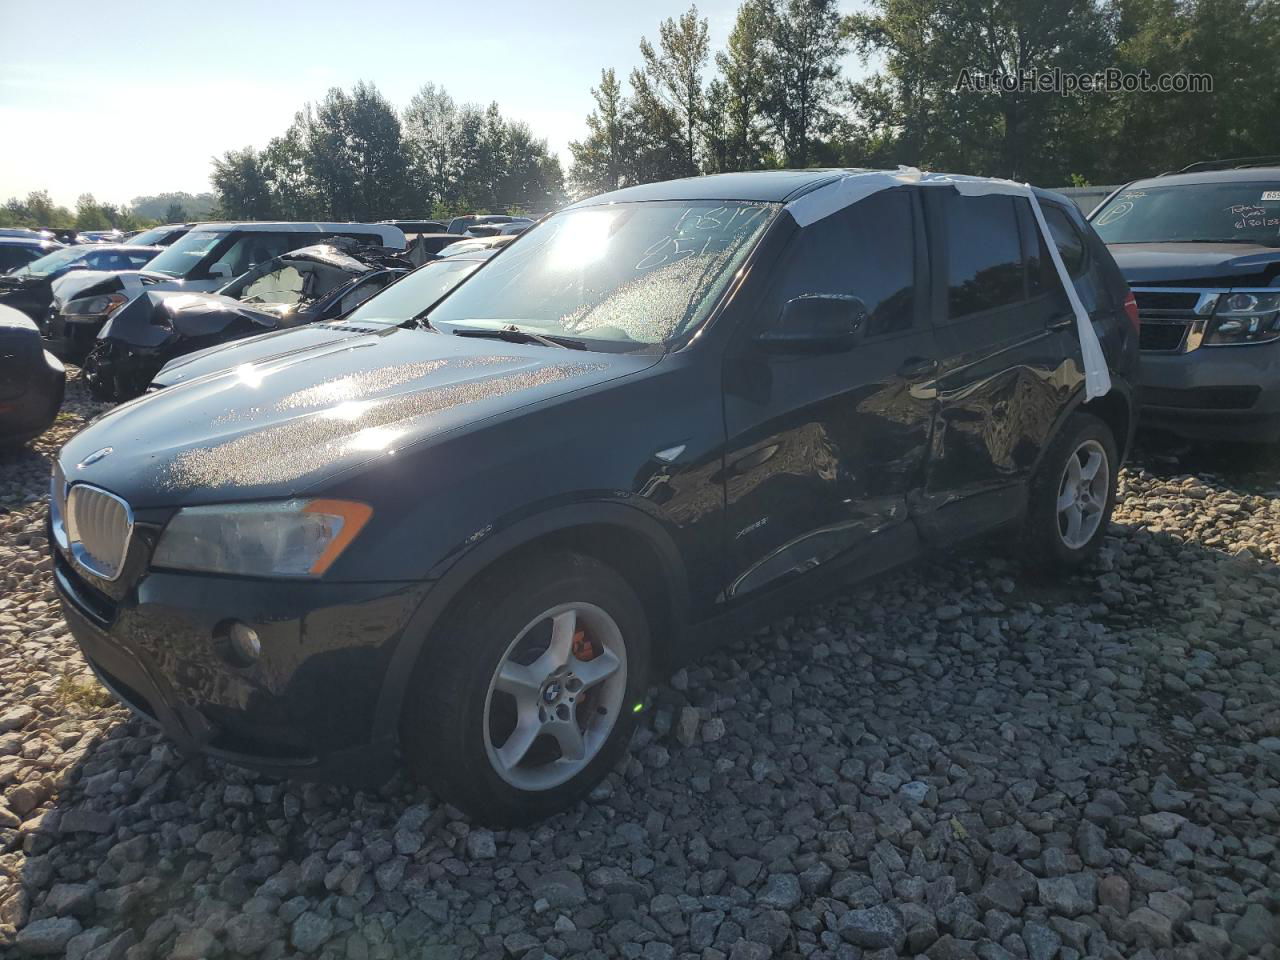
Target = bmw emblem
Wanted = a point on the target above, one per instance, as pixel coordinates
(93, 458)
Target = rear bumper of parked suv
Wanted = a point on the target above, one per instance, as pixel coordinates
(1214, 393)
(305, 708)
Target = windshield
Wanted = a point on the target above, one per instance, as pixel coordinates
(151, 237)
(51, 262)
(181, 257)
(417, 291)
(1235, 212)
(639, 273)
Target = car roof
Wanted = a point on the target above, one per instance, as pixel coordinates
(760, 186)
(29, 242)
(391, 236)
(127, 247)
(1236, 175)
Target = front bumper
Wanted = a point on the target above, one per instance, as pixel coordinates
(305, 708)
(70, 339)
(1214, 393)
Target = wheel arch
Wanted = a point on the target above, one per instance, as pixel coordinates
(623, 537)
(1115, 408)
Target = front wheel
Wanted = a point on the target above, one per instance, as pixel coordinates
(1072, 496)
(97, 372)
(525, 696)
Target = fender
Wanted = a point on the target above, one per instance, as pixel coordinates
(451, 582)
(1118, 385)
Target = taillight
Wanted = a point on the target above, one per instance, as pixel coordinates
(1131, 310)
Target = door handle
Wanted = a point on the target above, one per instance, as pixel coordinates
(917, 368)
(1061, 323)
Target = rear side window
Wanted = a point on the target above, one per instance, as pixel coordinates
(1068, 239)
(985, 269)
(866, 251)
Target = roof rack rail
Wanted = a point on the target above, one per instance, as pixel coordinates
(1234, 163)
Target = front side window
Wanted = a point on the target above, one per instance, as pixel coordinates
(865, 251)
(1236, 212)
(624, 274)
(250, 249)
(984, 254)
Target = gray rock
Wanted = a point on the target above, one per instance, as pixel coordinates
(1069, 895)
(47, 937)
(1255, 929)
(1043, 943)
(310, 932)
(481, 845)
(781, 891)
(872, 929)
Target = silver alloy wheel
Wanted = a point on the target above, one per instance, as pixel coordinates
(548, 711)
(1082, 494)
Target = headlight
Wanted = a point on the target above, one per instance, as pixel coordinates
(95, 306)
(1244, 318)
(288, 538)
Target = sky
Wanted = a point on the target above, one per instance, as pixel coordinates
(124, 100)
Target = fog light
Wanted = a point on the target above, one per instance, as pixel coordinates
(245, 645)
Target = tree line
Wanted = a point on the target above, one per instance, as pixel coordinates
(353, 156)
(775, 96)
(37, 209)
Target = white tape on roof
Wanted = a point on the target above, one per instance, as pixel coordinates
(852, 187)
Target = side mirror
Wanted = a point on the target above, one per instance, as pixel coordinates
(823, 323)
(220, 269)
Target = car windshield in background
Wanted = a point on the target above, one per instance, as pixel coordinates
(50, 263)
(639, 273)
(181, 257)
(415, 293)
(148, 237)
(1196, 212)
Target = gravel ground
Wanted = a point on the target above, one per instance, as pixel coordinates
(954, 761)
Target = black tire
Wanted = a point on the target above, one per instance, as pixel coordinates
(442, 731)
(1043, 545)
(101, 385)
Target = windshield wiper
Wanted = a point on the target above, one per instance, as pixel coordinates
(513, 334)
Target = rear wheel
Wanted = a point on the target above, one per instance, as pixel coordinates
(524, 697)
(1072, 496)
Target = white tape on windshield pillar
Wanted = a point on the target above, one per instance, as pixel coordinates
(852, 187)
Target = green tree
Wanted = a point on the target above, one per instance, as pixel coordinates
(353, 154)
(90, 214)
(240, 179)
(741, 107)
(599, 159)
(803, 66)
(674, 74)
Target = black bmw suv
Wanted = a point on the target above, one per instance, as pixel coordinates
(464, 535)
(1201, 249)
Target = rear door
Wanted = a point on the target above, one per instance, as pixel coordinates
(1009, 359)
(824, 448)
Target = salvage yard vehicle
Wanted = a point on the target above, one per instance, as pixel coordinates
(19, 251)
(463, 535)
(163, 235)
(29, 288)
(424, 286)
(1201, 251)
(204, 259)
(32, 380)
(321, 282)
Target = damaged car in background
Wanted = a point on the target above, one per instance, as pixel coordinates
(304, 287)
(321, 282)
(204, 259)
(29, 288)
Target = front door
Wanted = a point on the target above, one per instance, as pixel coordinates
(823, 448)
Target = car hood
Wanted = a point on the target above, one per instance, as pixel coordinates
(277, 415)
(95, 283)
(1183, 264)
(157, 316)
